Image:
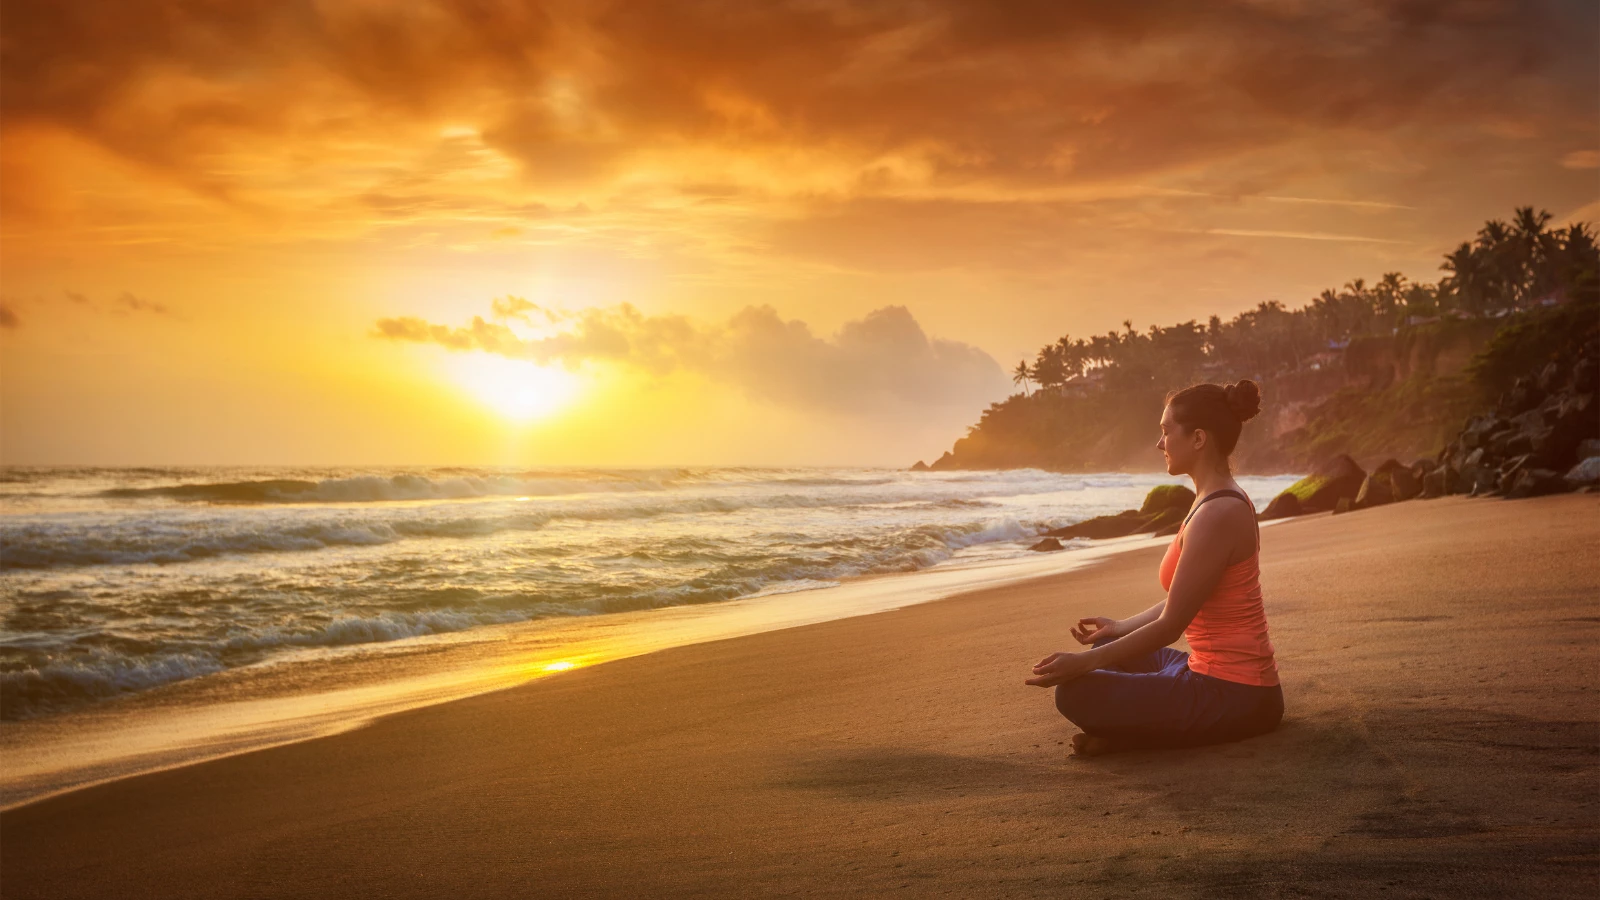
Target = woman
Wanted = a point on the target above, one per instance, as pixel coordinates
(1132, 690)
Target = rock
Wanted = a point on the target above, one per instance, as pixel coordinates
(1165, 496)
(1375, 491)
(1336, 477)
(1282, 507)
(1531, 482)
(1046, 545)
(1531, 420)
(1169, 530)
(1585, 472)
(1480, 428)
(1518, 444)
(1099, 527)
(1342, 506)
(1586, 375)
(1482, 481)
(920, 466)
(1405, 484)
(1497, 444)
(947, 461)
(1162, 519)
(1421, 468)
(1439, 482)
(1549, 378)
(1129, 521)
(1388, 466)
(1574, 421)
(1588, 449)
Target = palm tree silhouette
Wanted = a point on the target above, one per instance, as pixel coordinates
(1020, 376)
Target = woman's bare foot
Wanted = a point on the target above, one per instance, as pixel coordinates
(1089, 745)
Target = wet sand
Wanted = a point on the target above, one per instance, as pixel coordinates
(1440, 662)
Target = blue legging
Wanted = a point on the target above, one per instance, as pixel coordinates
(1157, 701)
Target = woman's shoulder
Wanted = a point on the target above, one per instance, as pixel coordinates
(1225, 519)
(1224, 513)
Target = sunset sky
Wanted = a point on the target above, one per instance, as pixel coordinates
(656, 233)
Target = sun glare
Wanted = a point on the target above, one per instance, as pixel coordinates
(515, 389)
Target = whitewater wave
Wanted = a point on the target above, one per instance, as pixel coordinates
(62, 685)
(376, 489)
(62, 677)
(99, 674)
(136, 540)
(105, 588)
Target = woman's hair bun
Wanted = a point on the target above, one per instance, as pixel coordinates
(1244, 398)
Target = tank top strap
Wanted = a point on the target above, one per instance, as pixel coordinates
(1225, 492)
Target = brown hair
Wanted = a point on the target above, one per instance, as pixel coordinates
(1221, 411)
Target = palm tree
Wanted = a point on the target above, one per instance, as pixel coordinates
(1020, 376)
(1536, 247)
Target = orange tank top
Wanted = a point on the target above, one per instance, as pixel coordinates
(1228, 636)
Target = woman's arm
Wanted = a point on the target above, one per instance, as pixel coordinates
(1133, 623)
(1200, 566)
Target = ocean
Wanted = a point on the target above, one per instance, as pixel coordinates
(116, 582)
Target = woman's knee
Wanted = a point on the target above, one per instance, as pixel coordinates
(1074, 699)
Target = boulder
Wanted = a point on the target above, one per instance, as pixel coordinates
(1166, 496)
(1481, 483)
(1046, 545)
(1531, 482)
(1129, 521)
(1574, 421)
(1480, 428)
(1549, 378)
(1588, 449)
(1586, 375)
(1162, 519)
(1532, 420)
(1498, 443)
(1099, 527)
(920, 466)
(1375, 491)
(1282, 507)
(1405, 484)
(1439, 482)
(1169, 530)
(1587, 471)
(1388, 466)
(1342, 506)
(1329, 480)
(1420, 468)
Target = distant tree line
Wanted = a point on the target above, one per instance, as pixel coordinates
(1510, 266)
(1096, 397)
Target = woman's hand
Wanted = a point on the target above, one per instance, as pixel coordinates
(1087, 631)
(1059, 667)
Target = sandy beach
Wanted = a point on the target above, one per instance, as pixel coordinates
(1440, 661)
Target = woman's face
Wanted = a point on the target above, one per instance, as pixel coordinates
(1177, 445)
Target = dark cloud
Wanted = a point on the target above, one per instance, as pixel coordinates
(880, 362)
(1017, 91)
(127, 301)
(124, 303)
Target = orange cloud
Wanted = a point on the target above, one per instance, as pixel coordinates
(883, 360)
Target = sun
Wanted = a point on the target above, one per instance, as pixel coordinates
(518, 390)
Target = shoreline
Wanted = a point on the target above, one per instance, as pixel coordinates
(1440, 738)
(187, 724)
